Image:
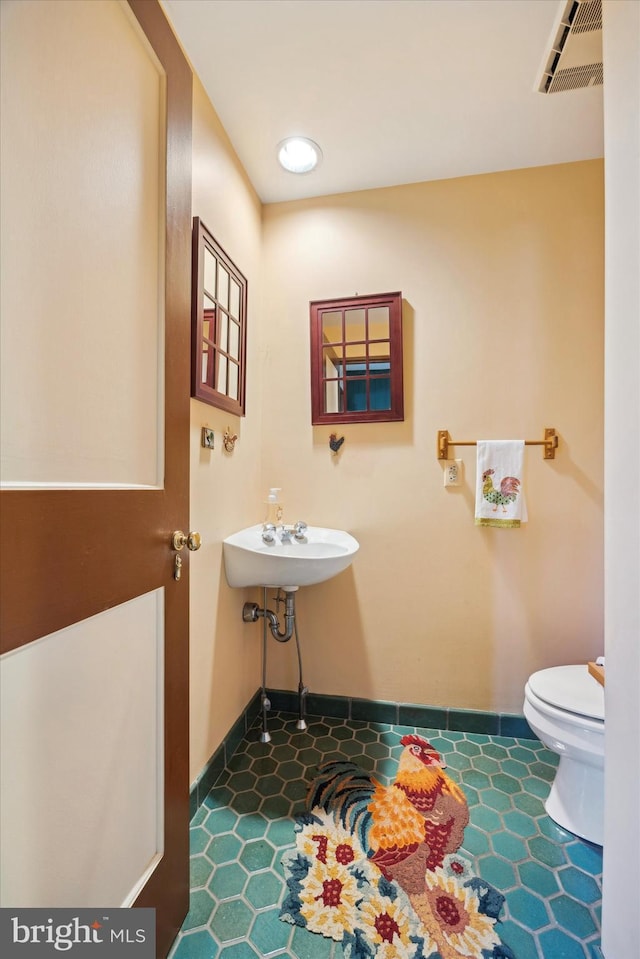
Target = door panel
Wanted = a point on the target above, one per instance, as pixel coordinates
(100, 208)
(93, 755)
(70, 554)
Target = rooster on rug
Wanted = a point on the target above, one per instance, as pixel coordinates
(407, 828)
(508, 492)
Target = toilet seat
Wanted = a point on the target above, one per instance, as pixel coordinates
(571, 689)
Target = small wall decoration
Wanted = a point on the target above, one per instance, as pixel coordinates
(335, 442)
(229, 440)
(208, 438)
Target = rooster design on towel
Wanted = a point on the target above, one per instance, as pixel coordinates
(508, 492)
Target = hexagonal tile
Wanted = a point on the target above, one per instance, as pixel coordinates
(200, 869)
(486, 764)
(257, 855)
(200, 906)
(231, 920)
(553, 831)
(309, 756)
(529, 804)
(199, 839)
(495, 751)
(467, 748)
(264, 765)
(239, 761)
(527, 909)
(291, 770)
(269, 785)
(239, 950)
(586, 857)
(475, 841)
(268, 933)
(264, 889)
(556, 942)
(247, 802)
(539, 878)
(458, 761)
(275, 807)
(495, 800)
(341, 733)
(547, 852)
(307, 945)
(251, 826)
(223, 848)
(218, 797)
(239, 782)
(282, 753)
(497, 871)
(522, 825)
(514, 768)
(573, 916)
(196, 945)
(473, 777)
(281, 833)
(509, 846)
(228, 881)
(220, 820)
(486, 819)
(506, 784)
(519, 940)
(535, 786)
(579, 885)
(521, 753)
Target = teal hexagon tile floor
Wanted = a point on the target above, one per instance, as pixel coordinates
(550, 879)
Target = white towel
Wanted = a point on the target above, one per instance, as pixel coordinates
(499, 494)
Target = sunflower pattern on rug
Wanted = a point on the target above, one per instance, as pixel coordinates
(376, 867)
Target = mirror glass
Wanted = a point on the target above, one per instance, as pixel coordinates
(356, 359)
(219, 325)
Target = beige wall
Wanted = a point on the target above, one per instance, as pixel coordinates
(502, 279)
(225, 655)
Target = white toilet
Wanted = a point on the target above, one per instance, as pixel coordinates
(564, 706)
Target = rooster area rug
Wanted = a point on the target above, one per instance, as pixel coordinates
(376, 868)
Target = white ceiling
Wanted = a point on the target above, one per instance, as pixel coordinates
(394, 91)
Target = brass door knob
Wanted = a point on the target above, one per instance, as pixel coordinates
(192, 540)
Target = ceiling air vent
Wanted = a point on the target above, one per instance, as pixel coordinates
(574, 57)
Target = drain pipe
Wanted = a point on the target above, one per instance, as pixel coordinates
(251, 612)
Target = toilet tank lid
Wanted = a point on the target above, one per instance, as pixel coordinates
(571, 688)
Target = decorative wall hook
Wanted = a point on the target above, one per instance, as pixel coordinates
(335, 443)
(229, 440)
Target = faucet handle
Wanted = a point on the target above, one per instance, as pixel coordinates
(269, 533)
(300, 529)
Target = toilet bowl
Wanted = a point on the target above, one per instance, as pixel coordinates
(564, 706)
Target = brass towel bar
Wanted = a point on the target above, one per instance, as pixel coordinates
(550, 443)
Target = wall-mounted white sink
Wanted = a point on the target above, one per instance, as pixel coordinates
(321, 555)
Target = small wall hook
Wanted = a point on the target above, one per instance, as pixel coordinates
(229, 440)
(335, 443)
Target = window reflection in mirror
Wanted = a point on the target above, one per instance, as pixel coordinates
(356, 359)
(219, 310)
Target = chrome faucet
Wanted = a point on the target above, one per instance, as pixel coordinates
(298, 531)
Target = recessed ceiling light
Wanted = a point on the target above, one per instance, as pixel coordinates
(299, 155)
